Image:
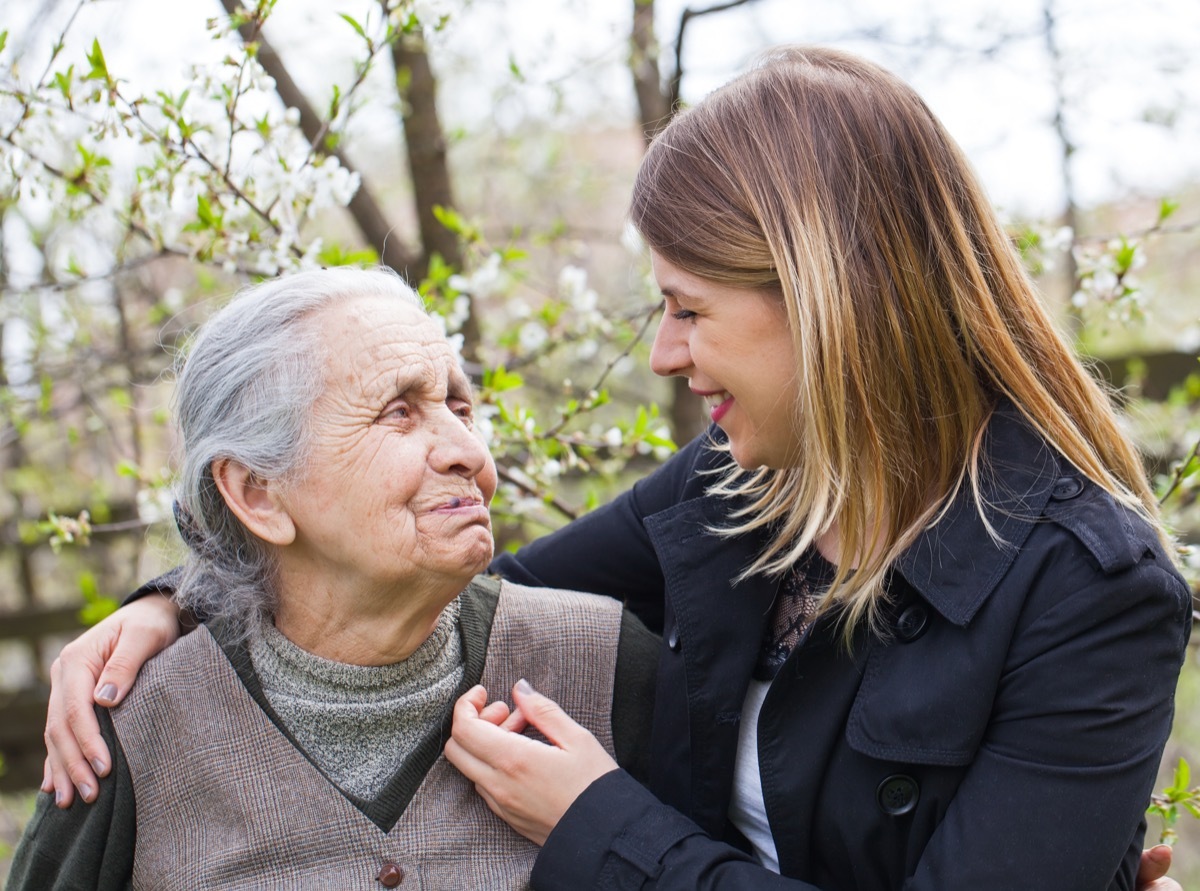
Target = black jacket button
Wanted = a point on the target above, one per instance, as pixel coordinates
(1065, 488)
(912, 623)
(897, 795)
(673, 640)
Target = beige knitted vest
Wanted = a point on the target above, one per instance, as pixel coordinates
(225, 801)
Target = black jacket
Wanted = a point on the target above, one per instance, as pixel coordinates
(1005, 733)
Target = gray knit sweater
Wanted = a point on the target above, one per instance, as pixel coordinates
(359, 723)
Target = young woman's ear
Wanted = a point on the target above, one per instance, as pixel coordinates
(254, 501)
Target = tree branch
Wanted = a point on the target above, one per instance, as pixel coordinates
(685, 17)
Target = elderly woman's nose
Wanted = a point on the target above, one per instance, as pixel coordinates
(457, 449)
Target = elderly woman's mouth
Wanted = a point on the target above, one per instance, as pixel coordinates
(463, 505)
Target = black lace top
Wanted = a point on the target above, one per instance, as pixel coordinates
(793, 612)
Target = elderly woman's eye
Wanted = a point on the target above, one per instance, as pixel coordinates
(396, 411)
(464, 410)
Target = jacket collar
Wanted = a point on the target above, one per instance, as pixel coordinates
(956, 564)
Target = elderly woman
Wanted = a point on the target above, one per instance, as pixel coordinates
(334, 493)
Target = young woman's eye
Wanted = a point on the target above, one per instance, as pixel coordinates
(683, 315)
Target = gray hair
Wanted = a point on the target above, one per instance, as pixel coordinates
(245, 393)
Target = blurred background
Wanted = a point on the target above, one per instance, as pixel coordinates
(154, 158)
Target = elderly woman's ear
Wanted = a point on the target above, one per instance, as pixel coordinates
(254, 501)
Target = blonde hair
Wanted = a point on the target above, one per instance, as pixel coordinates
(825, 179)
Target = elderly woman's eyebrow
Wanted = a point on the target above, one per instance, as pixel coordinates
(458, 386)
(405, 383)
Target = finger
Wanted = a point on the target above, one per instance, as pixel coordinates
(1154, 864)
(467, 713)
(475, 699)
(69, 768)
(515, 723)
(147, 627)
(546, 716)
(474, 769)
(495, 747)
(495, 713)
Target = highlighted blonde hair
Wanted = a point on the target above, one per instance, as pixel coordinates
(824, 179)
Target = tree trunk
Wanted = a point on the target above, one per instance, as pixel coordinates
(425, 144)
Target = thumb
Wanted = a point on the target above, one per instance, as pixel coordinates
(1154, 864)
(545, 715)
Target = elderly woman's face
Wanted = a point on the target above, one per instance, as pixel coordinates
(397, 485)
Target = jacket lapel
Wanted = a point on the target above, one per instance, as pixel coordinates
(720, 628)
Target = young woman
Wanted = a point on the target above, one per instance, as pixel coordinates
(921, 628)
(920, 624)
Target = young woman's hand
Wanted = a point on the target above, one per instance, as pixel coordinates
(98, 666)
(1152, 873)
(527, 783)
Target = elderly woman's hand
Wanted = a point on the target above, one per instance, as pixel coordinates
(526, 783)
(100, 665)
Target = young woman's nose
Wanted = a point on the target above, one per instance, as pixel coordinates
(669, 355)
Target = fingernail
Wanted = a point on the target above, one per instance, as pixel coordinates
(59, 796)
(107, 693)
(98, 765)
(523, 687)
(46, 785)
(86, 791)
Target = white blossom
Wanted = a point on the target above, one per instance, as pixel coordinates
(532, 336)
(484, 281)
(154, 505)
(631, 240)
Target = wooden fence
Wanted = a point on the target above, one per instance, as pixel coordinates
(23, 711)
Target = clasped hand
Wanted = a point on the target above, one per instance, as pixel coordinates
(529, 784)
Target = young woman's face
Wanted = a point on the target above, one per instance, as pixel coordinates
(734, 347)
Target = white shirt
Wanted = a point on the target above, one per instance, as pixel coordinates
(747, 810)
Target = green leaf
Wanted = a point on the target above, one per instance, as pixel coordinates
(3, 40)
(499, 379)
(456, 222)
(1166, 208)
(208, 218)
(355, 25)
(46, 395)
(120, 397)
(88, 587)
(334, 254)
(1124, 255)
(62, 80)
(97, 606)
(1183, 775)
(449, 218)
(127, 468)
(99, 70)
